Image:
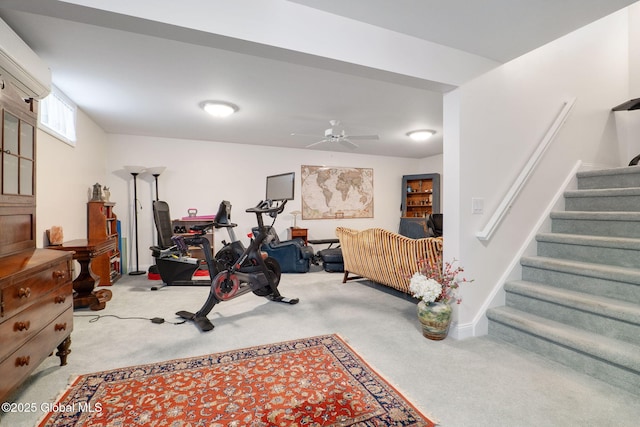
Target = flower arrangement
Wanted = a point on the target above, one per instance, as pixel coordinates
(435, 283)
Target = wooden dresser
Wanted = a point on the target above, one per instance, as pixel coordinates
(36, 294)
(36, 312)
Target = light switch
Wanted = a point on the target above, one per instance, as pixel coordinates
(477, 206)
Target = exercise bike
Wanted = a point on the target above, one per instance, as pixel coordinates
(236, 270)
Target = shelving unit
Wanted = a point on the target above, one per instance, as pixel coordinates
(102, 224)
(421, 195)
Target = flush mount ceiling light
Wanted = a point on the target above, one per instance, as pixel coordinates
(421, 135)
(219, 108)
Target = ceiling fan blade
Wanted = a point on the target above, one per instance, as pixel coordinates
(362, 136)
(350, 145)
(308, 134)
(316, 143)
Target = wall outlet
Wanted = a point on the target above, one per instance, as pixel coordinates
(477, 206)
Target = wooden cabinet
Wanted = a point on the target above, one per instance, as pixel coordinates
(18, 121)
(36, 294)
(102, 224)
(420, 195)
(36, 314)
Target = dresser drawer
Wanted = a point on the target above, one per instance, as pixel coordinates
(23, 361)
(20, 295)
(17, 330)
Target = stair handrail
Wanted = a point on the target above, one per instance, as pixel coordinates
(525, 173)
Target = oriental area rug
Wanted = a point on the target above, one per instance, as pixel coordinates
(318, 381)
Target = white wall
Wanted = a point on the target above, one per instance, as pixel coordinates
(432, 164)
(628, 122)
(200, 174)
(502, 116)
(634, 51)
(64, 175)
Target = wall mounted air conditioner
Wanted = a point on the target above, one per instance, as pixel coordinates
(20, 66)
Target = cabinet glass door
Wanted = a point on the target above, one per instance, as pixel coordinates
(17, 156)
(26, 159)
(10, 154)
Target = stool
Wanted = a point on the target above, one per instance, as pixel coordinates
(332, 260)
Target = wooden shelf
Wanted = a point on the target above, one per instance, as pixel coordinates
(102, 224)
(421, 195)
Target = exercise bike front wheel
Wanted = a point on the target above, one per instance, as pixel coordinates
(274, 273)
(225, 286)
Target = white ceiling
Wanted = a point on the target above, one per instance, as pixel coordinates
(378, 66)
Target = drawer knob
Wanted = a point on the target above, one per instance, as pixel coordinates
(60, 299)
(60, 327)
(24, 292)
(22, 326)
(23, 360)
(59, 274)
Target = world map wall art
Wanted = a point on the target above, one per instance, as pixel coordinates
(336, 192)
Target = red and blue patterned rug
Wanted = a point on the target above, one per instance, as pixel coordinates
(318, 381)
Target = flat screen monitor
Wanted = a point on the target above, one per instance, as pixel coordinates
(280, 187)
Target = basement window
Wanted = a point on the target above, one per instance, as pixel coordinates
(58, 116)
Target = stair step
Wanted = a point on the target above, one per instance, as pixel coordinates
(620, 283)
(603, 200)
(610, 360)
(609, 317)
(622, 177)
(612, 224)
(619, 251)
(578, 301)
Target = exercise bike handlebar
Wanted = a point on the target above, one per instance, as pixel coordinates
(265, 207)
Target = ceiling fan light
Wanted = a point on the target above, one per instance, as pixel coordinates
(219, 109)
(421, 135)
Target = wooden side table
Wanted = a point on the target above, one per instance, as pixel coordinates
(295, 232)
(84, 251)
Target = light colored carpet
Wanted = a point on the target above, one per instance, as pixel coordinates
(474, 382)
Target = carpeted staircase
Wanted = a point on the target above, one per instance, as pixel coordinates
(578, 302)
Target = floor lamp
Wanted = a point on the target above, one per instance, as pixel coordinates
(156, 171)
(135, 171)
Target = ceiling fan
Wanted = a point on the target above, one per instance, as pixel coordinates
(335, 134)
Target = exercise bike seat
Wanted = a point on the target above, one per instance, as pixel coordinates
(222, 218)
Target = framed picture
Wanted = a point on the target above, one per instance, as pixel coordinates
(336, 192)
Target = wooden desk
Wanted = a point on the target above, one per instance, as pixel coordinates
(295, 232)
(84, 251)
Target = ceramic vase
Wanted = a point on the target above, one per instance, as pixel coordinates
(435, 319)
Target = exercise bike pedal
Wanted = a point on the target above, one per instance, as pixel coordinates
(284, 299)
(202, 322)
